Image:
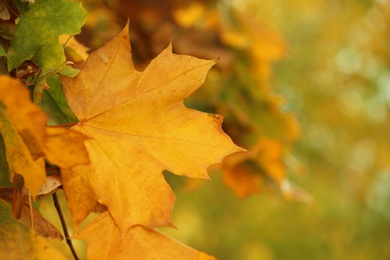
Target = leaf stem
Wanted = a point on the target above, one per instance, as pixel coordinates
(63, 125)
(63, 223)
(31, 210)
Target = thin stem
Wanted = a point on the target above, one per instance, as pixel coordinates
(63, 223)
(63, 125)
(31, 210)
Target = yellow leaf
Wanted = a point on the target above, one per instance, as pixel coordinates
(65, 148)
(27, 118)
(139, 127)
(105, 241)
(22, 126)
(203, 256)
(28, 140)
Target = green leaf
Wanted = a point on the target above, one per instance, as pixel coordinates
(17, 240)
(38, 29)
(69, 71)
(2, 51)
(55, 105)
(3, 66)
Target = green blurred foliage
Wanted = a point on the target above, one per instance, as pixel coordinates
(335, 78)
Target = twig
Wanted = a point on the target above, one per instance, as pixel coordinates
(31, 211)
(63, 125)
(63, 223)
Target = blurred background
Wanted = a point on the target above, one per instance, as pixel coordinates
(305, 87)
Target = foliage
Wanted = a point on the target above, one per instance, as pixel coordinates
(238, 85)
(44, 49)
(126, 111)
(142, 117)
(335, 78)
(129, 127)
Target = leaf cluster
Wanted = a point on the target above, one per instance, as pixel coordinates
(238, 85)
(109, 132)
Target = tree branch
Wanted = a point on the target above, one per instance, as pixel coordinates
(63, 223)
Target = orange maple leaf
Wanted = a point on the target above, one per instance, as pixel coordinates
(139, 127)
(106, 242)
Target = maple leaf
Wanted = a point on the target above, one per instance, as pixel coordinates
(105, 241)
(65, 148)
(139, 127)
(28, 140)
(44, 21)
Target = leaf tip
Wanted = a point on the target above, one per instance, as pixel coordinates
(125, 34)
(169, 47)
(204, 256)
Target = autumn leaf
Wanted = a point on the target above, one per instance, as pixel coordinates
(246, 173)
(65, 148)
(50, 186)
(105, 241)
(28, 140)
(44, 21)
(22, 126)
(139, 127)
(17, 241)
